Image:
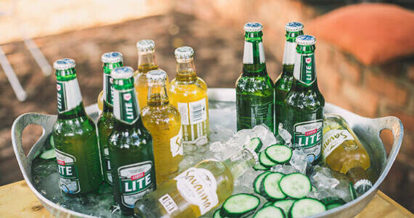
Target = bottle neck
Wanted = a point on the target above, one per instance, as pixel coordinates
(107, 85)
(241, 162)
(126, 108)
(157, 94)
(69, 96)
(253, 55)
(359, 178)
(304, 71)
(186, 71)
(147, 61)
(289, 54)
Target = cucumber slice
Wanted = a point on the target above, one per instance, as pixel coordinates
(333, 200)
(279, 153)
(295, 185)
(332, 206)
(258, 181)
(285, 205)
(239, 204)
(255, 144)
(270, 186)
(267, 204)
(265, 161)
(306, 207)
(269, 212)
(259, 166)
(217, 214)
(48, 154)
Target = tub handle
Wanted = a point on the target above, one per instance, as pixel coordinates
(44, 121)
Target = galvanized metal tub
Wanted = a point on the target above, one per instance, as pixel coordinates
(367, 130)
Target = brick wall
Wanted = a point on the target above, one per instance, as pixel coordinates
(371, 91)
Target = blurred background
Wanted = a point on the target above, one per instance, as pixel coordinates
(365, 55)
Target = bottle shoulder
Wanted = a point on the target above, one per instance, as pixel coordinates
(75, 126)
(130, 136)
(157, 115)
(310, 99)
(105, 120)
(254, 84)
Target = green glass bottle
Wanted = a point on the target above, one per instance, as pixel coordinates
(74, 135)
(254, 88)
(303, 107)
(130, 145)
(285, 79)
(110, 60)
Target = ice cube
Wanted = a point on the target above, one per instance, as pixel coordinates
(299, 160)
(284, 134)
(282, 168)
(266, 136)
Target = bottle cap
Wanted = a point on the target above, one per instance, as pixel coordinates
(363, 185)
(145, 45)
(184, 52)
(157, 75)
(122, 73)
(305, 40)
(64, 64)
(253, 27)
(294, 27)
(111, 57)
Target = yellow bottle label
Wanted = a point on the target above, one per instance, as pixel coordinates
(199, 187)
(332, 139)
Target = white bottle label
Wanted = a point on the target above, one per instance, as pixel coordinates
(289, 55)
(199, 187)
(194, 121)
(135, 181)
(334, 138)
(68, 95)
(168, 203)
(68, 173)
(308, 136)
(107, 165)
(176, 144)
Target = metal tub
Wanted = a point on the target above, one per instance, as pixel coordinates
(367, 130)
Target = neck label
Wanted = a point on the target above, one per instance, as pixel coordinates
(304, 71)
(68, 95)
(198, 186)
(289, 53)
(126, 107)
(135, 181)
(248, 55)
(68, 173)
(108, 89)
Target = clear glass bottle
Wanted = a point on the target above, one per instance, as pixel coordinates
(197, 190)
(189, 95)
(163, 121)
(343, 152)
(146, 63)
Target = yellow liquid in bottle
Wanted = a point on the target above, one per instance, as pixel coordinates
(141, 83)
(100, 101)
(169, 194)
(188, 93)
(163, 122)
(341, 148)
